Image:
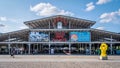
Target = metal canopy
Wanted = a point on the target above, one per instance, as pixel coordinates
(101, 34)
(20, 34)
(44, 22)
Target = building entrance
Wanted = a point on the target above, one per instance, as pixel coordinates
(80, 49)
(59, 49)
(39, 49)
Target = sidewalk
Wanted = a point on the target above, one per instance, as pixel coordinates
(56, 58)
(58, 61)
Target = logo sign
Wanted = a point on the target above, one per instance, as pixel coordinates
(74, 36)
(59, 25)
(59, 19)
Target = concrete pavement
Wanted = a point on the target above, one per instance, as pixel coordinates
(58, 61)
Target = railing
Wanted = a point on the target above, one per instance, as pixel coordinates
(59, 29)
(53, 42)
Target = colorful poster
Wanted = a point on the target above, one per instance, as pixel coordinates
(59, 36)
(80, 36)
(74, 36)
(38, 37)
(84, 36)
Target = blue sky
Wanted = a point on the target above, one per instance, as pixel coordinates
(13, 13)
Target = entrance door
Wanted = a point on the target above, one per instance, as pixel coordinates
(3, 49)
(59, 49)
(39, 49)
(84, 49)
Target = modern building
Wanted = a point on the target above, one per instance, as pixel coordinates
(59, 35)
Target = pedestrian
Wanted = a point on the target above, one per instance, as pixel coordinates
(12, 52)
(87, 51)
(52, 51)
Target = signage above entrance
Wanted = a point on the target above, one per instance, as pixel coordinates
(60, 22)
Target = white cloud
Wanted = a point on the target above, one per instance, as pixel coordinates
(10, 28)
(100, 28)
(6, 19)
(4, 28)
(2, 25)
(3, 19)
(10, 24)
(90, 6)
(13, 20)
(47, 9)
(110, 17)
(23, 27)
(99, 2)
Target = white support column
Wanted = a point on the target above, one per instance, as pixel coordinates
(111, 48)
(90, 47)
(37, 46)
(9, 47)
(17, 48)
(69, 25)
(69, 48)
(49, 25)
(69, 39)
(49, 48)
(49, 37)
(49, 43)
(29, 46)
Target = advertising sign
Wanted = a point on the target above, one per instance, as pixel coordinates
(74, 36)
(59, 36)
(38, 37)
(80, 36)
(84, 37)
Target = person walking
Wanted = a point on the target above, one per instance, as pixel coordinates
(52, 51)
(87, 51)
(12, 52)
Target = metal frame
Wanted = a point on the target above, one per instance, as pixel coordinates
(44, 25)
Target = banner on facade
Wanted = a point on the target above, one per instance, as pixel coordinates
(74, 36)
(38, 37)
(84, 37)
(80, 36)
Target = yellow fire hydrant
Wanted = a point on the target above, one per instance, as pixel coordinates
(103, 48)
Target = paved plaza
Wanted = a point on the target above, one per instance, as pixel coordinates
(58, 61)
